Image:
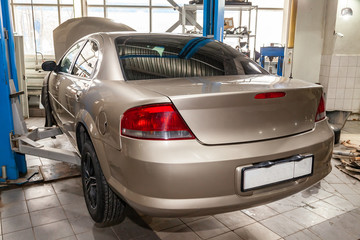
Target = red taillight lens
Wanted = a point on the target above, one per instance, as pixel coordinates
(160, 121)
(270, 95)
(320, 113)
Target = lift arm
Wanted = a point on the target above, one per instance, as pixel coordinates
(27, 144)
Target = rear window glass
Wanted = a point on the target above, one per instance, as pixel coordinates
(174, 56)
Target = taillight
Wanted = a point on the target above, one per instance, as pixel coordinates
(320, 113)
(157, 122)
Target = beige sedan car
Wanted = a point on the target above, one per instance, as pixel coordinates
(176, 125)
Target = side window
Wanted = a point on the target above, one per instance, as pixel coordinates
(86, 62)
(69, 58)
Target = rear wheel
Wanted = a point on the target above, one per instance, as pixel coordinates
(104, 206)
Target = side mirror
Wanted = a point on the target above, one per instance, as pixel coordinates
(49, 66)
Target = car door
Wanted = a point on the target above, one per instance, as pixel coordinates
(80, 80)
(58, 84)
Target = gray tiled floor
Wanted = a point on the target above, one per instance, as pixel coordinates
(56, 210)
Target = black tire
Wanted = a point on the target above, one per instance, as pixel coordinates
(104, 206)
(45, 101)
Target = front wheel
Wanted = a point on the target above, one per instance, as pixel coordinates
(104, 206)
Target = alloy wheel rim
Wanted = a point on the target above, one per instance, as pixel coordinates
(90, 181)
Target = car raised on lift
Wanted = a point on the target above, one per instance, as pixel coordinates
(177, 125)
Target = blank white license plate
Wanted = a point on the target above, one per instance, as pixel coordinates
(268, 173)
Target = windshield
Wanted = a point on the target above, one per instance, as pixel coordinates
(175, 56)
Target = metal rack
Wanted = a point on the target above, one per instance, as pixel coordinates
(186, 9)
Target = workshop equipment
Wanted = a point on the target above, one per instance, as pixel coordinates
(272, 52)
(337, 120)
(15, 139)
(349, 158)
(228, 23)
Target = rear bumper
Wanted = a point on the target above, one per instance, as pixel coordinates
(185, 178)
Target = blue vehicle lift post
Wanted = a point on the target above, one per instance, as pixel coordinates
(13, 163)
(214, 19)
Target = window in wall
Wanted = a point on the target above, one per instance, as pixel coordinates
(270, 22)
(126, 2)
(136, 14)
(96, 12)
(95, 2)
(165, 2)
(66, 1)
(137, 18)
(269, 28)
(23, 25)
(163, 19)
(268, 4)
(45, 21)
(48, 14)
(36, 20)
(22, 1)
(44, 1)
(66, 13)
(200, 17)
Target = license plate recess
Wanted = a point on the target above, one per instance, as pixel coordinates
(273, 172)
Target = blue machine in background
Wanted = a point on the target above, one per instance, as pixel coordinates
(13, 164)
(273, 52)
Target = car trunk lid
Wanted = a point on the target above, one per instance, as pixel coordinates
(224, 110)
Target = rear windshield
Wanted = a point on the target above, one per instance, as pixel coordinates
(175, 56)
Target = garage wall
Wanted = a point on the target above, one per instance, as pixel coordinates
(328, 49)
(340, 65)
(350, 43)
(329, 27)
(309, 40)
(321, 56)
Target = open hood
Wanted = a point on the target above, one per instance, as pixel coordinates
(73, 29)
